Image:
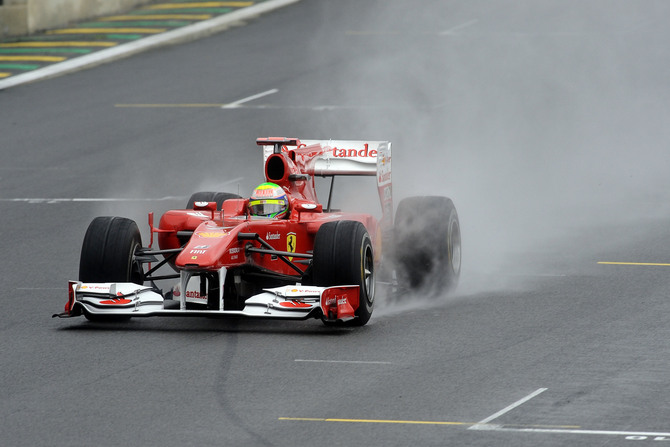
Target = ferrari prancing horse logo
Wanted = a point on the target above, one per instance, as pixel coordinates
(290, 244)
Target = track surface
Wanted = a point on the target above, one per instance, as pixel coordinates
(544, 121)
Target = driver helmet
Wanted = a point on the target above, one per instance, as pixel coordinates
(268, 200)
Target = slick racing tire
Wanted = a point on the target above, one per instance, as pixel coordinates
(108, 251)
(209, 196)
(108, 255)
(427, 243)
(343, 255)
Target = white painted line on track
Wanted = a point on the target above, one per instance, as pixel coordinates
(90, 199)
(318, 108)
(239, 102)
(240, 106)
(29, 168)
(452, 31)
(629, 434)
(345, 361)
(41, 288)
(506, 410)
(183, 34)
(536, 275)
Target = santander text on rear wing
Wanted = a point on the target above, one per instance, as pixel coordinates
(333, 157)
(345, 157)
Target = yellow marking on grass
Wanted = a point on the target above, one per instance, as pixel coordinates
(200, 5)
(157, 17)
(56, 44)
(33, 58)
(107, 31)
(149, 106)
(634, 263)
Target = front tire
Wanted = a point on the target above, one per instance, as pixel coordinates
(108, 255)
(343, 255)
(108, 251)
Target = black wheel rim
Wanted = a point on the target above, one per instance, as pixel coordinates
(455, 246)
(369, 275)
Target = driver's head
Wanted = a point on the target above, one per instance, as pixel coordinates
(268, 200)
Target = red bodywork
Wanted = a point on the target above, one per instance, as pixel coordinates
(215, 242)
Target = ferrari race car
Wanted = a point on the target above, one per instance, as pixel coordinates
(279, 254)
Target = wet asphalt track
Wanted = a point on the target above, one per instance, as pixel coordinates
(541, 345)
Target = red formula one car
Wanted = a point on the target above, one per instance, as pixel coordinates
(279, 254)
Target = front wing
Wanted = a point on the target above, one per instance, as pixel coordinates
(295, 302)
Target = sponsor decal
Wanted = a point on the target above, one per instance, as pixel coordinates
(384, 177)
(294, 304)
(211, 234)
(291, 241)
(264, 192)
(201, 247)
(115, 301)
(234, 253)
(198, 213)
(85, 287)
(198, 252)
(193, 294)
(194, 257)
(333, 301)
(355, 153)
(272, 236)
(305, 290)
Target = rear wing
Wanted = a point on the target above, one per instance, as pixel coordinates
(328, 158)
(344, 157)
(332, 157)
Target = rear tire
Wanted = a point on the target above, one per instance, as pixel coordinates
(343, 255)
(210, 196)
(108, 255)
(427, 243)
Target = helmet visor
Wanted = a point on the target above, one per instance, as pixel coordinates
(267, 207)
